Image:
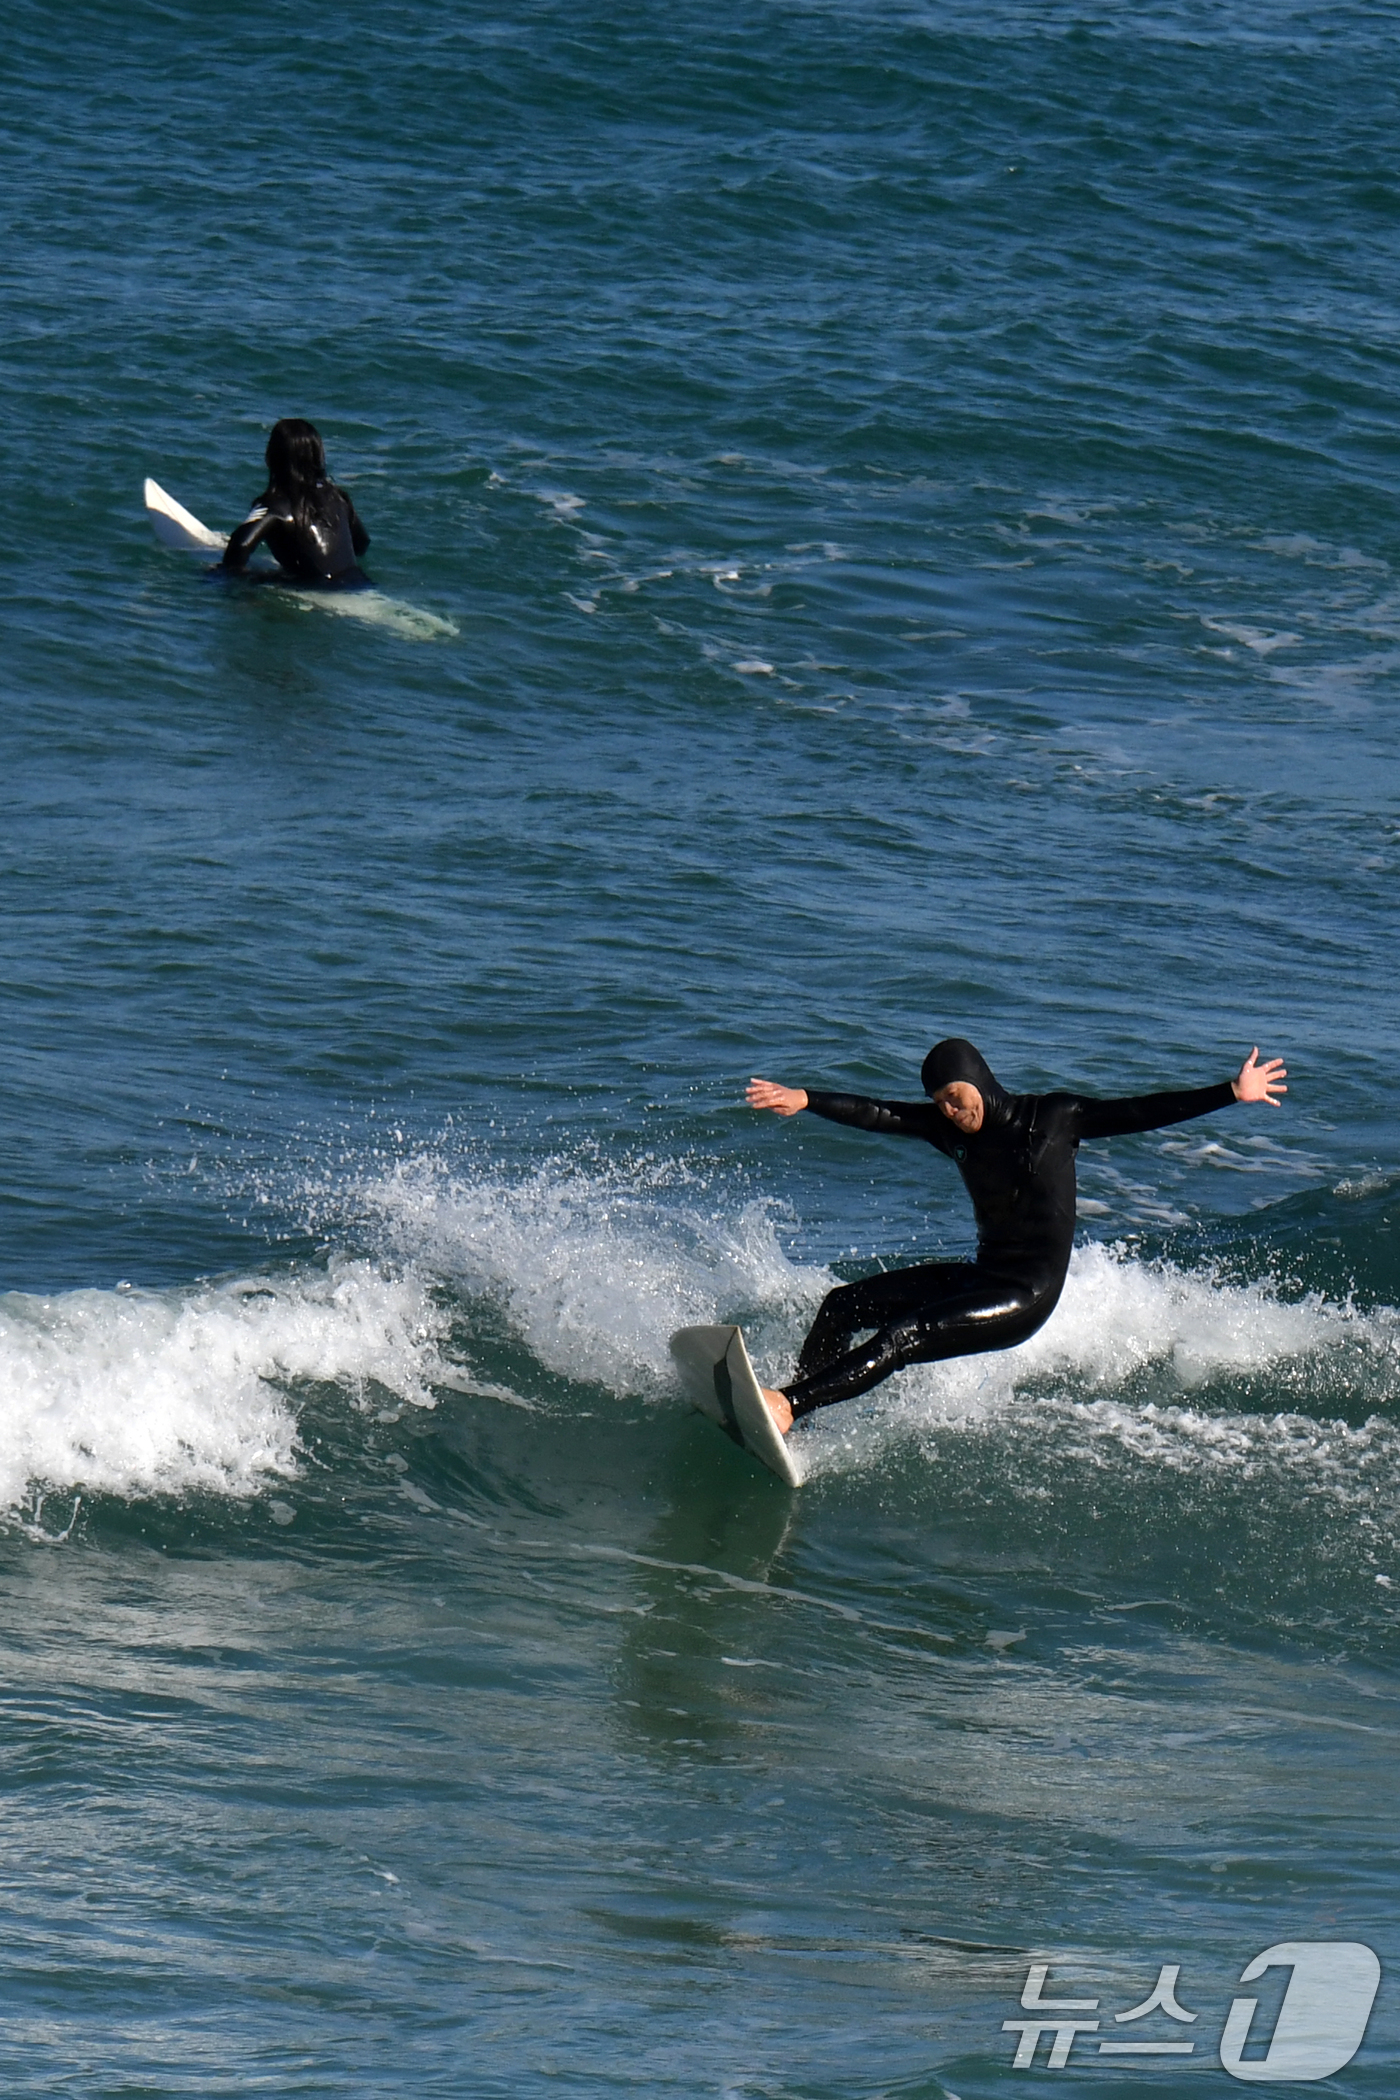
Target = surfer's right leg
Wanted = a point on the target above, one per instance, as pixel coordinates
(876, 1303)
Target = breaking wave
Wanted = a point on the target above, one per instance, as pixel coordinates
(445, 1277)
(135, 1392)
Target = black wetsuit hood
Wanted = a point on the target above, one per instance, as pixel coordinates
(955, 1061)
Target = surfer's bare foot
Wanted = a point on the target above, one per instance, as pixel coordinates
(779, 1407)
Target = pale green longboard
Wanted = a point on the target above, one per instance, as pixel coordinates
(716, 1373)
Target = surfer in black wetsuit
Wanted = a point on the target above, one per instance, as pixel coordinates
(308, 525)
(1015, 1153)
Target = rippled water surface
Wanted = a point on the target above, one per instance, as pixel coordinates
(884, 524)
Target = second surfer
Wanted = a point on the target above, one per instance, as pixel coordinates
(306, 523)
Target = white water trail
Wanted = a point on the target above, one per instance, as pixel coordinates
(596, 1267)
(591, 1268)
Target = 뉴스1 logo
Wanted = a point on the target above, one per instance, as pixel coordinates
(1319, 2028)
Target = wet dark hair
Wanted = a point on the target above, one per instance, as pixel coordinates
(296, 468)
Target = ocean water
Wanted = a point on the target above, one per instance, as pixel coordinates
(886, 522)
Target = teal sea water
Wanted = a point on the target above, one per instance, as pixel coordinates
(886, 520)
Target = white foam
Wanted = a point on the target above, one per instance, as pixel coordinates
(597, 1267)
(593, 1265)
(1261, 640)
(1132, 1352)
(137, 1392)
(1118, 1315)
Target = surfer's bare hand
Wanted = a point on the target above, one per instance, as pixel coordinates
(783, 1100)
(1258, 1082)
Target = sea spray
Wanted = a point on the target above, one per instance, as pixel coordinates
(590, 1266)
(596, 1264)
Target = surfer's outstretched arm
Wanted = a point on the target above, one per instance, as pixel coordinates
(1253, 1082)
(783, 1100)
(1256, 1082)
(916, 1119)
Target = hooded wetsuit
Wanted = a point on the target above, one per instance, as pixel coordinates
(1019, 1171)
(317, 542)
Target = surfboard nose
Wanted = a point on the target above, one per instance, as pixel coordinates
(718, 1377)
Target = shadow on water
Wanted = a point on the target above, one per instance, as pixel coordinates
(687, 1677)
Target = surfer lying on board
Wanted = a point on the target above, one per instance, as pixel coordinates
(1015, 1153)
(308, 525)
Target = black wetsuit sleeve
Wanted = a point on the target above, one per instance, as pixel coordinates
(1101, 1119)
(245, 537)
(359, 538)
(913, 1119)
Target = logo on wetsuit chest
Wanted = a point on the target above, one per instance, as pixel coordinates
(960, 1153)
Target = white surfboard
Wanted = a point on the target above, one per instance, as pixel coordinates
(174, 526)
(178, 528)
(716, 1373)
